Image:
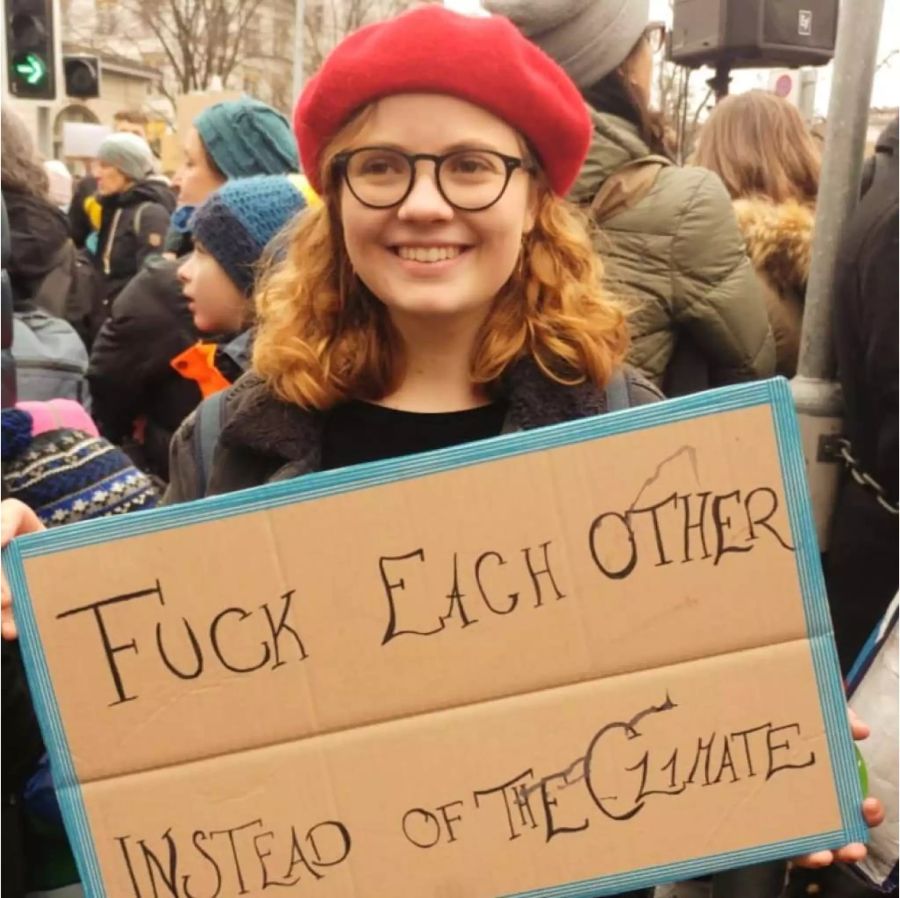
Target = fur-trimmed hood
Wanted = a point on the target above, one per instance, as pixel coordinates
(779, 240)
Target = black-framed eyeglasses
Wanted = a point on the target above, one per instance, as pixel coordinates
(470, 180)
(655, 35)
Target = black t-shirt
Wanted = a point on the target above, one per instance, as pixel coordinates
(360, 431)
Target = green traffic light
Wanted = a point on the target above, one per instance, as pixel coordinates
(32, 68)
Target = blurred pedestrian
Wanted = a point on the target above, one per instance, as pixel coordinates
(669, 239)
(136, 210)
(862, 561)
(758, 144)
(59, 184)
(139, 399)
(37, 228)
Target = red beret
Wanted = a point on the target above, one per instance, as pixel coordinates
(484, 60)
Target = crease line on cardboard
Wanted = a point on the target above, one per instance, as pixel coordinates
(439, 711)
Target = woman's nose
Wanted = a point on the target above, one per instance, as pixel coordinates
(425, 200)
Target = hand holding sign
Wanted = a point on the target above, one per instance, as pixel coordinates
(16, 519)
(873, 813)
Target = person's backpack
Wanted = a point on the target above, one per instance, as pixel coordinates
(688, 370)
(72, 290)
(51, 359)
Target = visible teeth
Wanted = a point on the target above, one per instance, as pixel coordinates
(428, 253)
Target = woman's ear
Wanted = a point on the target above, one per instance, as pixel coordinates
(531, 209)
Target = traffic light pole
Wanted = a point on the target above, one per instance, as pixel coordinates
(44, 131)
(816, 394)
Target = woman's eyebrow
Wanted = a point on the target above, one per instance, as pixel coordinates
(450, 148)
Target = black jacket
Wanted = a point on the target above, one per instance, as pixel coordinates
(22, 749)
(130, 373)
(862, 565)
(264, 439)
(133, 228)
(38, 231)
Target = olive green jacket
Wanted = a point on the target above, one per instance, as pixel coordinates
(679, 261)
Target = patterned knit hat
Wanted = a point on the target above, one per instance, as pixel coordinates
(245, 137)
(241, 217)
(67, 475)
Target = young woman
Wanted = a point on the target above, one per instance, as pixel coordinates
(138, 398)
(759, 146)
(668, 237)
(443, 291)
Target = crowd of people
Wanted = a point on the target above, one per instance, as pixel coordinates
(489, 231)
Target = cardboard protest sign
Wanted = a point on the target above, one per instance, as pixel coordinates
(567, 662)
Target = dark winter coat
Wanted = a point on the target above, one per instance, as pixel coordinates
(264, 439)
(863, 556)
(779, 243)
(132, 229)
(22, 749)
(38, 232)
(130, 370)
(677, 258)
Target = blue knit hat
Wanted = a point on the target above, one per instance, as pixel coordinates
(67, 475)
(241, 217)
(245, 138)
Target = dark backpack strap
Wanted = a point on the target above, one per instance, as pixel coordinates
(207, 427)
(617, 392)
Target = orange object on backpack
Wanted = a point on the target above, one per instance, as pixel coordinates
(197, 363)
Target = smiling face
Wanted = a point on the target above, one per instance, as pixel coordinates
(423, 258)
(214, 300)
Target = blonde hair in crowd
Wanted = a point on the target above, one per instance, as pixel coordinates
(323, 338)
(758, 144)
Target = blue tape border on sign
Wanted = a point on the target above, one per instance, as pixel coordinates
(68, 791)
(818, 618)
(775, 393)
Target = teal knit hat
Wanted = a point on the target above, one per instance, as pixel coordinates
(245, 138)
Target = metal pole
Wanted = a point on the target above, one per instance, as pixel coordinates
(816, 395)
(44, 131)
(299, 29)
(859, 27)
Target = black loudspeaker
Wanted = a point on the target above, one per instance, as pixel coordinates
(753, 33)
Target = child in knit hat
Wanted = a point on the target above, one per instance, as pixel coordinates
(231, 231)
